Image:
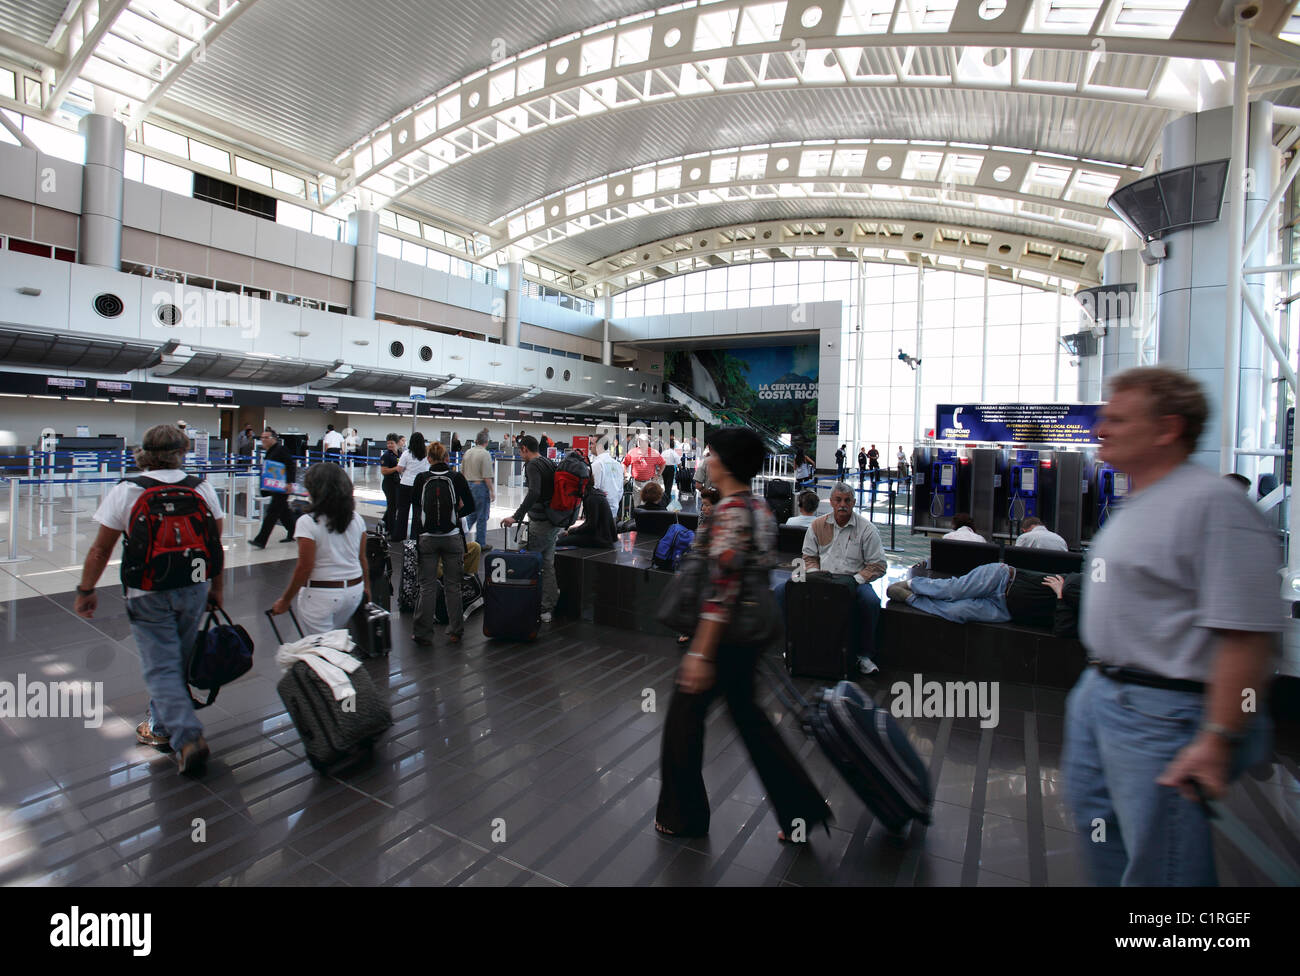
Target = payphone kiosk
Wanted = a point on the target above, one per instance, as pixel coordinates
(943, 484)
(1112, 489)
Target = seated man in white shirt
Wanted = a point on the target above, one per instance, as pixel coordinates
(1035, 535)
(963, 529)
(846, 543)
(808, 502)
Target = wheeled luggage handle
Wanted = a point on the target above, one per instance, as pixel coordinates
(271, 617)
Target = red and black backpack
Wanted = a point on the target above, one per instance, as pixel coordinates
(572, 480)
(171, 538)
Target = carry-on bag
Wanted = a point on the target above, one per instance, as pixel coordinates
(379, 566)
(868, 748)
(221, 654)
(512, 594)
(333, 730)
(819, 615)
(471, 598)
(371, 627)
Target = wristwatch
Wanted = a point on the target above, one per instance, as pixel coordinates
(1223, 732)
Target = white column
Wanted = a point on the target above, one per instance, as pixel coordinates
(363, 234)
(100, 234)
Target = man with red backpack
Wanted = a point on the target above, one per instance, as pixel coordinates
(551, 504)
(170, 526)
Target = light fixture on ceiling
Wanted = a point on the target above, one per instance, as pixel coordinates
(528, 369)
(29, 291)
(455, 357)
(360, 342)
(302, 335)
(494, 363)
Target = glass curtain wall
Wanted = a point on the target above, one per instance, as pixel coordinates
(1018, 358)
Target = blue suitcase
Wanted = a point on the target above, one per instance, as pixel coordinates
(512, 594)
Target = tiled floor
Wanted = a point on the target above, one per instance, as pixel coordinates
(508, 765)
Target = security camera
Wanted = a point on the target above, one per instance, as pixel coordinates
(1154, 253)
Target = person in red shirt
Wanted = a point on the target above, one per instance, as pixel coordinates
(644, 464)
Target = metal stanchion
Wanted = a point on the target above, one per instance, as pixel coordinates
(249, 493)
(230, 504)
(75, 508)
(893, 541)
(13, 556)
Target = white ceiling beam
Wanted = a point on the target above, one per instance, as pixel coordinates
(108, 12)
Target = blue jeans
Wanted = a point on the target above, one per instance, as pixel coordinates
(863, 634)
(1118, 740)
(478, 522)
(165, 625)
(541, 538)
(980, 595)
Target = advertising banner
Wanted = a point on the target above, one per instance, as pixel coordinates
(1018, 423)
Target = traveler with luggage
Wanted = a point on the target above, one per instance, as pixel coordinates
(739, 539)
(476, 466)
(167, 588)
(643, 464)
(330, 579)
(445, 499)
(1183, 628)
(539, 481)
(846, 544)
(607, 475)
(412, 463)
(391, 478)
(279, 473)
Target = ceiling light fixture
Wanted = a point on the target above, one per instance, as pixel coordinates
(32, 292)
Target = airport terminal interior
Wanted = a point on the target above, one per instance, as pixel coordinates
(902, 245)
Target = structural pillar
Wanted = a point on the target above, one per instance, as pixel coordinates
(606, 343)
(1201, 327)
(514, 288)
(100, 238)
(363, 234)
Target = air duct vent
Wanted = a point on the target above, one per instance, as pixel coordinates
(168, 315)
(108, 306)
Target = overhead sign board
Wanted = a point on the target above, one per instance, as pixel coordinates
(1017, 423)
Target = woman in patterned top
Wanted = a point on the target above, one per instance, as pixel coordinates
(741, 529)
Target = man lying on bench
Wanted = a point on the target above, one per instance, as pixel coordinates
(996, 593)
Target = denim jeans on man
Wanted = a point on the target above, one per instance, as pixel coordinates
(165, 624)
(541, 538)
(863, 635)
(478, 521)
(980, 595)
(1118, 740)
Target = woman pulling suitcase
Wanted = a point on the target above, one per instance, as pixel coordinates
(741, 530)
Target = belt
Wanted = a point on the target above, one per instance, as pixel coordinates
(1133, 676)
(336, 584)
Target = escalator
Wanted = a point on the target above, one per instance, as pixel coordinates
(718, 416)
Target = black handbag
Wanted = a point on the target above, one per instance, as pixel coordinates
(221, 654)
(754, 619)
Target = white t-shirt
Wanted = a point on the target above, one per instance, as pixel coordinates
(607, 474)
(114, 511)
(803, 520)
(966, 534)
(1041, 537)
(412, 466)
(333, 440)
(337, 553)
(670, 457)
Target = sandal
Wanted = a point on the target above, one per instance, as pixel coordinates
(683, 640)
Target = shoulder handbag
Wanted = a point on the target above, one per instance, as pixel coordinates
(754, 619)
(220, 654)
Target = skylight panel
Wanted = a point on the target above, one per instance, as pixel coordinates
(761, 23)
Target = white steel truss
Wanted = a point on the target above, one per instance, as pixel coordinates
(136, 49)
(1120, 51)
(1036, 262)
(1060, 191)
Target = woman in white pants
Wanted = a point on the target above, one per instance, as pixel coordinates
(330, 578)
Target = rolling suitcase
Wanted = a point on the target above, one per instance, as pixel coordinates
(868, 748)
(471, 598)
(819, 625)
(380, 567)
(409, 586)
(512, 594)
(332, 730)
(780, 498)
(372, 630)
